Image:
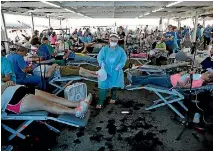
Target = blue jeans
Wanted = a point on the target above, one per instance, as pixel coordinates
(32, 80)
(158, 80)
(85, 58)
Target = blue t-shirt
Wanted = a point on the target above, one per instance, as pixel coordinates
(207, 32)
(44, 52)
(87, 39)
(168, 35)
(18, 64)
(7, 68)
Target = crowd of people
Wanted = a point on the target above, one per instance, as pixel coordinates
(15, 69)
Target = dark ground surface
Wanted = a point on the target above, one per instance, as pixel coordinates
(110, 130)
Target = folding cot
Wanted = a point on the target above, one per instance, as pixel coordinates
(172, 95)
(40, 116)
(152, 69)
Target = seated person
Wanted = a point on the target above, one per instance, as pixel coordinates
(159, 55)
(25, 99)
(87, 40)
(187, 41)
(22, 70)
(66, 71)
(176, 80)
(7, 71)
(46, 52)
(208, 62)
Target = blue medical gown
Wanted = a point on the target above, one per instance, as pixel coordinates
(112, 59)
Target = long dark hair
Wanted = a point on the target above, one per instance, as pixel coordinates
(53, 34)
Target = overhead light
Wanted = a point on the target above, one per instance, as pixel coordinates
(158, 9)
(141, 16)
(146, 14)
(69, 10)
(137, 17)
(174, 3)
(54, 5)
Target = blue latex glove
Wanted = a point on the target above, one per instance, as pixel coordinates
(102, 65)
(118, 68)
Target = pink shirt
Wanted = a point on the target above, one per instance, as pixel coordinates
(175, 78)
(53, 39)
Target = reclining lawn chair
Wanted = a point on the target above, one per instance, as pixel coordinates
(60, 83)
(173, 95)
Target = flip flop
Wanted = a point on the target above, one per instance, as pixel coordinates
(112, 101)
(98, 106)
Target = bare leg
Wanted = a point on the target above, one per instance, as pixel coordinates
(87, 73)
(56, 99)
(38, 103)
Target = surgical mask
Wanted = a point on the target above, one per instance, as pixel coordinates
(113, 44)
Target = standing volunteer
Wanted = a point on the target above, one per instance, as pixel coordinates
(112, 59)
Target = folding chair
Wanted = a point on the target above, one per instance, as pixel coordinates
(40, 116)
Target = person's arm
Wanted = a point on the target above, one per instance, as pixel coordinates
(7, 71)
(6, 85)
(122, 61)
(101, 57)
(23, 65)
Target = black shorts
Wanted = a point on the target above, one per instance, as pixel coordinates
(20, 93)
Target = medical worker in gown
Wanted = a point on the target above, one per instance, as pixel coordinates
(112, 59)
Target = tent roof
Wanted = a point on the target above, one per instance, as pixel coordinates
(109, 9)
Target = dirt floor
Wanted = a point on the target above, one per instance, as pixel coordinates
(140, 130)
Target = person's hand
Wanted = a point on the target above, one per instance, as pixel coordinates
(10, 83)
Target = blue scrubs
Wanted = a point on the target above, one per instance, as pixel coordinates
(7, 68)
(112, 59)
(19, 64)
(198, 34)
(43, 52)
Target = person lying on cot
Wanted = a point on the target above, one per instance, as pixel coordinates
(22, 70)
(22, 99)
(65, 71)
(176, 80)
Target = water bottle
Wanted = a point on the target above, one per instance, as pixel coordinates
(196, 118)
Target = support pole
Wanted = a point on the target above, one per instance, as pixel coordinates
(32, 23)
(4, 36)
(195, 27)
(49, 22)
(168, 22)
(60, 23)
(204, 22)
(161, 24)
(179, 24)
